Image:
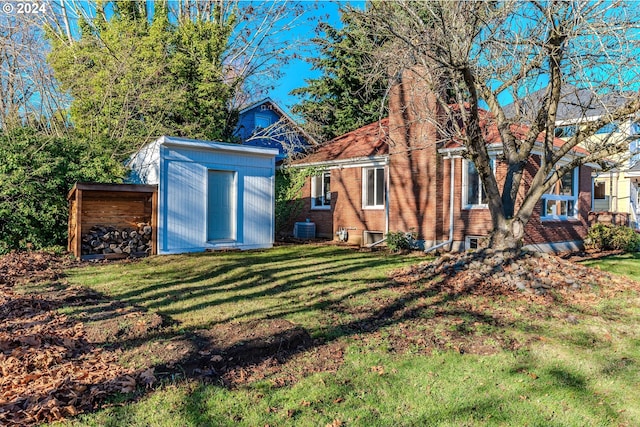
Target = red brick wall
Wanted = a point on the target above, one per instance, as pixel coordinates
(346, 207)
(538, 231)
(414, 165)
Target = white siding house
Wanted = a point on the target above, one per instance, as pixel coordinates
(211, 195)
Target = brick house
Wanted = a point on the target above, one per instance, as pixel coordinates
(396, 175)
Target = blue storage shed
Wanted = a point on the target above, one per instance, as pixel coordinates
(211, 195)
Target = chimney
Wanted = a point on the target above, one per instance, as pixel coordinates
(414, 168)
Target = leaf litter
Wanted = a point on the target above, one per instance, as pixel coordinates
(49, 369)
(56, 366)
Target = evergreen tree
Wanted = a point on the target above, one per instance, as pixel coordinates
(36, 173)
(350, 93)
(133, 78)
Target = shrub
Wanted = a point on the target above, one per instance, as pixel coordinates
(36, 173)
(609, 237)
(399, 241)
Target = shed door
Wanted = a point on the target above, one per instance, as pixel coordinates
(221, 221)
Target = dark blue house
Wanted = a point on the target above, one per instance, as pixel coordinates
(264, 124)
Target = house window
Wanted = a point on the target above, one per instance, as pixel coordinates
(473, 194)
(373, 188)
(321, 191)
(561, 202)
(262, 121)
(599, 190)
(473, 242)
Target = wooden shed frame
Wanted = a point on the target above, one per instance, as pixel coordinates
(84, 193)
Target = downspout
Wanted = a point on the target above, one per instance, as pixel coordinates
(387, 190)
(451, 192)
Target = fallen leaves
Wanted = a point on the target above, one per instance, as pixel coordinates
(18, 267)
(49, 369)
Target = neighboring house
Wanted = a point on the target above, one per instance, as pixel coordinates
(393, 175)
(265, 124)
(617, 190)
(211, 195)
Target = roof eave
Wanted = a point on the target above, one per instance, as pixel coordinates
(342, 162)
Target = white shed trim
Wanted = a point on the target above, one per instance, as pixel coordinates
(214, 145)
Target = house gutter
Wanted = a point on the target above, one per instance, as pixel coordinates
(354, 162)
(451, 191)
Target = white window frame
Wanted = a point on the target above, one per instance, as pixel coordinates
(266, 120)
(365, 172)
(562, 198)
(479, 240)
(465, 186)
(320, 194)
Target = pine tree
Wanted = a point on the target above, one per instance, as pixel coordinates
(133, 78)
(349, 94)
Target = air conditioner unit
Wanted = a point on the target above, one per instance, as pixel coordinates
(304, 230)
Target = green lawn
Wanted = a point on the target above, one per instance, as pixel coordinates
(540, 370)
(625, 264)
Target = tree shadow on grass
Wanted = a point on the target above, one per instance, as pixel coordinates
(257, 339)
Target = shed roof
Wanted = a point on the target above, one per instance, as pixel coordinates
(214, 145)
(114, 188)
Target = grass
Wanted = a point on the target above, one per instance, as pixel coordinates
(561, 374)
(625, 265)
(202, 290)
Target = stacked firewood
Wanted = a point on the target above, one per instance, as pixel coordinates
(110, 240)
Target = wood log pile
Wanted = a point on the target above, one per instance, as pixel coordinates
(110, 240)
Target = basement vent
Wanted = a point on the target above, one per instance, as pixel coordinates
(304, 230)
(371, 237)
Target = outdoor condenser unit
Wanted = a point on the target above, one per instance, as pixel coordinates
(304, 230)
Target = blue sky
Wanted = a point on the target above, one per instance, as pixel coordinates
(298, 70)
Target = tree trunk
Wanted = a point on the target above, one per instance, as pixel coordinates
(508, 235)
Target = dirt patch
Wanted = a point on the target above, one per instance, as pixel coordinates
(237, 353)
(124, 325)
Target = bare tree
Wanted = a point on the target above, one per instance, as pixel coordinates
(28, 91)
(480, 56)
